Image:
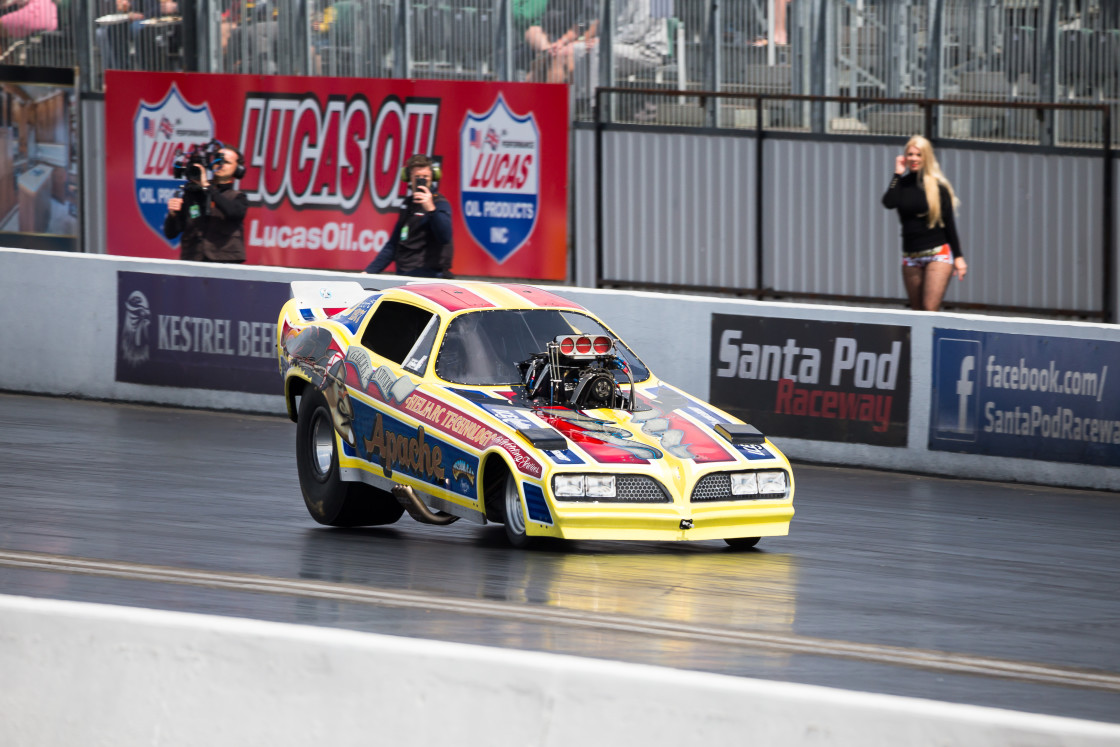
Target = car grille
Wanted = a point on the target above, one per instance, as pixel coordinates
(629, 489)
(717, 487)
(640, 489)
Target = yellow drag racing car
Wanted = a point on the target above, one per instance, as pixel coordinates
(507, 403)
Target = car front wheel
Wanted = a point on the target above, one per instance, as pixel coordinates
(742, 543)
(329, 499)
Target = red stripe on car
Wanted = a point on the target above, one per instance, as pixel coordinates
(541, 297)
(450, 297)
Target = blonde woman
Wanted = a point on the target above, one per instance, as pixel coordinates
(925, 201)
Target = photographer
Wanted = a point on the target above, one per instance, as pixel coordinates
(421, 240)
(209, 214)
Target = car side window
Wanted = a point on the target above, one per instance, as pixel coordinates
(394, 329)
(417, 358)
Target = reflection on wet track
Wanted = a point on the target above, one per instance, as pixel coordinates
(957, 590)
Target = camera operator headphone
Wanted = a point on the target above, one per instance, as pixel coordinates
(437, 174)
(240, 170)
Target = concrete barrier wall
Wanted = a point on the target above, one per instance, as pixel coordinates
(79, 673)
(62, 317)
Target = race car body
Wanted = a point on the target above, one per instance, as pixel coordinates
(507, 403)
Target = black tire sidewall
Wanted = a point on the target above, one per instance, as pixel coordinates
(325, 496)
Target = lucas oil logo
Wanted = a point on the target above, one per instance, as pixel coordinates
(159, 132)
(499, 178)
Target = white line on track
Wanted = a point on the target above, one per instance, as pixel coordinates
(789, 644)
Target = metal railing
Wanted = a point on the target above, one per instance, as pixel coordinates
(764, 114)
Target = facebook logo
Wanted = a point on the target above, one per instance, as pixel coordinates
(956, 390)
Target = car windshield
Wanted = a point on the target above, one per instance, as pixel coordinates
(483, 348)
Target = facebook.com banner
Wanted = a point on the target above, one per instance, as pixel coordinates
(825, 381)
(198, 333)
(1025, 396)
(323, 159)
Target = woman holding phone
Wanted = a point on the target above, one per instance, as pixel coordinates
(926, 204)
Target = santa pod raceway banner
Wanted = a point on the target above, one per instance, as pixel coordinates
(323, 158)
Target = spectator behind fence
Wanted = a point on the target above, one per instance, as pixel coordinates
(117, 31)
(22, 18)
(334, 28)
(420, 244)
(925, 201)
(557, 33)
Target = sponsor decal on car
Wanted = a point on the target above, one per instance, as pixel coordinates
(352, 318)
(453, 421)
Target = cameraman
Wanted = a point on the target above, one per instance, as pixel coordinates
(421, 240)
(210, 214)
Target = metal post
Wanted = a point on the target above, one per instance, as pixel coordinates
(1108, 284)
(934, 46)
(192, 40)
(83, 43)
(822, 56)
(503, 42)
(712, 72)
(896, 40)
(1047, 70)
(759, 207)
(210, 25)
(599, 186)
(606, 62)
(402, 47)
(296, 22)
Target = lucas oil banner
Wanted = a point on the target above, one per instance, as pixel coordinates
(824, 381)
(323, 158)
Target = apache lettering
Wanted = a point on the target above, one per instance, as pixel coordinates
(410, 454)
(850, 366)
(827, 403)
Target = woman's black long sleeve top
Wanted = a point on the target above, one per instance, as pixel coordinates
(906, 196)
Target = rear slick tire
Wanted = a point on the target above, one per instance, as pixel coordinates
(329, 499)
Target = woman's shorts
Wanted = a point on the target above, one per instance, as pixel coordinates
(920, 259)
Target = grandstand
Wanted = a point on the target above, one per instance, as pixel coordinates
(1026, 51)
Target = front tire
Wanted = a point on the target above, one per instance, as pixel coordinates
(742, 543)
(329, 499)
(513, 516)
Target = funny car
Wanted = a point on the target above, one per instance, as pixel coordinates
(492, 402)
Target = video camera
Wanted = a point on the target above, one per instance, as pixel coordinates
(201, 154)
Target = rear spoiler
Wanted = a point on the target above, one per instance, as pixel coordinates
(328, 294)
